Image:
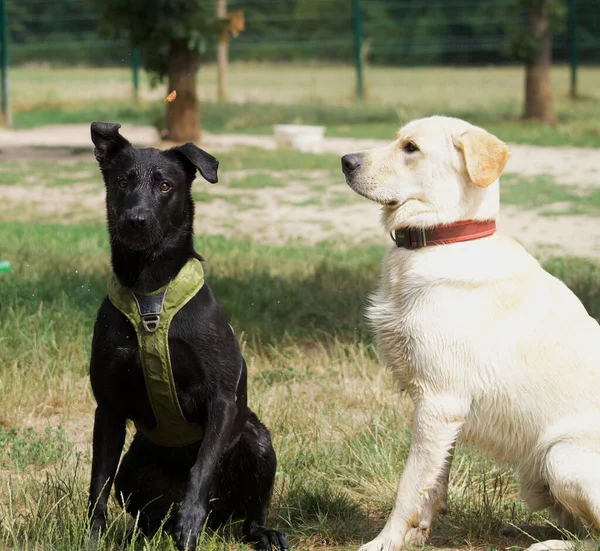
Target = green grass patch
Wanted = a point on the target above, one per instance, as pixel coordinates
(582, 276)
(256, 181)
(319, 94)
(123, 113)
(270, 293)
(260, 117)
(253, 158)
(242, 202)
(310, 202)
(47, 173)
(570, 133)
(20, 449)
(576, 126)
(540, 192)
(341, 199)
(290, 163)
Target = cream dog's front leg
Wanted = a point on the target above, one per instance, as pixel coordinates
(437, 422)
(434, 503)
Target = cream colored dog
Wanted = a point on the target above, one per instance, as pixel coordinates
(490, 347)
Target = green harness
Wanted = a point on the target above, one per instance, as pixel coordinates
(151, 315)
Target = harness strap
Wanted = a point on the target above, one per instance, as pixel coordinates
(151, 315)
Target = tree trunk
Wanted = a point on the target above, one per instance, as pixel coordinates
(183, 114)
(538, 91)
(222, 52)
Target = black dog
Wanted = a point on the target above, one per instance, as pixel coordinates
(230, 472)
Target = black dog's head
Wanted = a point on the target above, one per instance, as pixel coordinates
(148, 191)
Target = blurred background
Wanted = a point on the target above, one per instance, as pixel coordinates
(278, 90)
(357, 66)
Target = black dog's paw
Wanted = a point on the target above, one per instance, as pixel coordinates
(265, 538)
(185, 538)
(98, 525)
(188, 528)
(93, 542)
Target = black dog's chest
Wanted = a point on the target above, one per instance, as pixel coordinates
(124, 375)
(187, 375)
(205, 358)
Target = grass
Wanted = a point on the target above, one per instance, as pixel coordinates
(340, 429)
(305, 186)
(22, 449)
(47, 173)
(252, 158)
(266, 94)
(299, 314)
(256, 181)
(549, 197)
(240, 201)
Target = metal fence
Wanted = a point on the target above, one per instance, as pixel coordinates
(394, 32)
(405, 32)
(67, 33)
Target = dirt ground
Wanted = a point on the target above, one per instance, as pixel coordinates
(309, 207)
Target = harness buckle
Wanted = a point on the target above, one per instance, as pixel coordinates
(150, 308)
(151, 322)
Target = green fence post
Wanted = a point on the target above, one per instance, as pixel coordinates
(135, 67)
(573, 47)
(357, 18)
(4, 39)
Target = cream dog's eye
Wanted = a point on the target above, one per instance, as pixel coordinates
(410, 147)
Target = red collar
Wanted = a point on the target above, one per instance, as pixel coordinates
(465, 230)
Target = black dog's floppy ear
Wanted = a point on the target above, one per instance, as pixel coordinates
(203, 161)
(107, 140)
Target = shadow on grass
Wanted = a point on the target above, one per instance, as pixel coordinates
(329, 303)
(582, 276)
(66, 270)
(268, 293)
(324, 513)
(264, 307)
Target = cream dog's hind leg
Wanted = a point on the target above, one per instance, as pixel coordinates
(535, 492)
(438, 420)
(573, 475)
(560, 545)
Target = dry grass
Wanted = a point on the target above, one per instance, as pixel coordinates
(340, 429)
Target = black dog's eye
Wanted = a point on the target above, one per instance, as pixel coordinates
(410, 147)
(122, 183)
(165, 186)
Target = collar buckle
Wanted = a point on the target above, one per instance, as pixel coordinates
(410, 238)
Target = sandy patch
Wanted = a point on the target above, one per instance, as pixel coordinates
(575, 235)
(295, 212)
(71, 135)
(569, 165)
(80, 203)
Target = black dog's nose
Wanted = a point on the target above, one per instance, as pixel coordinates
(136, 221)
(350, 163)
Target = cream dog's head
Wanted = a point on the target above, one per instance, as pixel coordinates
(438, 170)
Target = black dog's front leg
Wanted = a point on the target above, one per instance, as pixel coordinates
(109, 437)
(194, 508)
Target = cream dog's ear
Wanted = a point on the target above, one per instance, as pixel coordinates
(485, 155)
